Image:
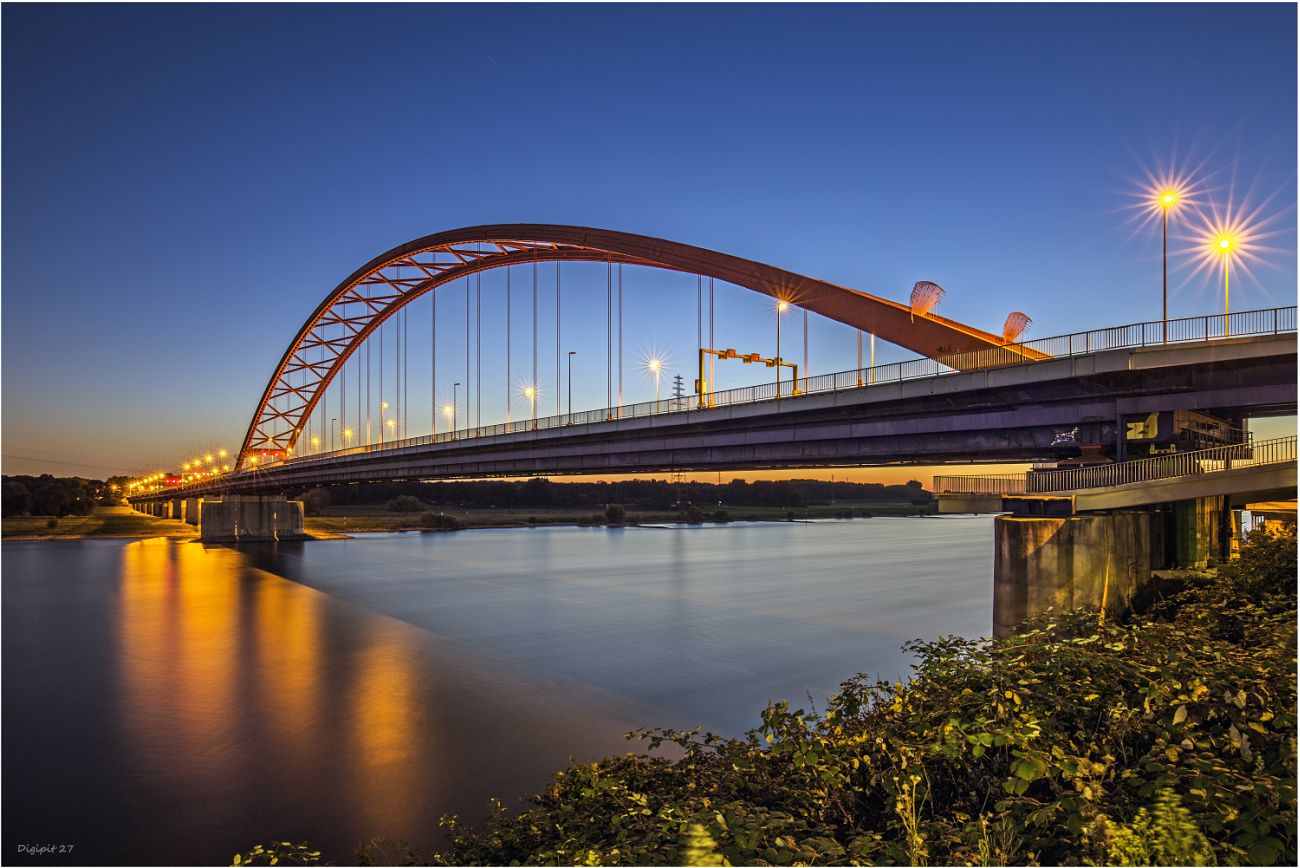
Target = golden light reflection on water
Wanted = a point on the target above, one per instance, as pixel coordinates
(384, 718)
(178, 631)
(232, 676)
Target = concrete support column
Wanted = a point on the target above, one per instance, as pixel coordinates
(1092, 560)
(1197, 532)
(251, 518)
(176, 510)
(192, 507)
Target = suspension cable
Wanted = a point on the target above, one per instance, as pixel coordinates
(533, 402)
(433, 360)
(557, 338)
(620, 340)
(609, 334)
(507, 344)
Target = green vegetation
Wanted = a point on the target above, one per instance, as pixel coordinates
(439, 522)
(50, 496)
(1168, 738)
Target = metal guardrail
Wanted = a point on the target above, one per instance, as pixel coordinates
(1001, 483)
(1279, 451)
(1244, 324)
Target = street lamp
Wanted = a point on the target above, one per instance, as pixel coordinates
(453, 409)
(332, 421)
(656, 367)
(572, 353)
(382, 408)
(531, 394)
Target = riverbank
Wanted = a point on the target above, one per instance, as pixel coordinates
(376, 518)
(109, 522)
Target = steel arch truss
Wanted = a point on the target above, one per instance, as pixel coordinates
(376, 291)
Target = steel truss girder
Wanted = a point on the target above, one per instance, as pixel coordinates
(518, 244)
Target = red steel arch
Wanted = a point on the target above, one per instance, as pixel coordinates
(377, 290)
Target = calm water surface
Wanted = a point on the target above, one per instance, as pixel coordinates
(172, 703)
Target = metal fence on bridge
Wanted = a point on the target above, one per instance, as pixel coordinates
(999, 483)
(1279, 451)
(1201, 328)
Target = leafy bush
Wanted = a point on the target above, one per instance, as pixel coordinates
(1170, 837)
(277, 852)
(440, 522)
(721, 516)
(614, 513)
(695, 515)
(405, 503)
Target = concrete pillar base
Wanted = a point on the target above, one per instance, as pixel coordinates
(251, 518)
(192, 510)
(1085, 560)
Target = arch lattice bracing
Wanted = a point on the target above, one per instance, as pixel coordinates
(381, 287)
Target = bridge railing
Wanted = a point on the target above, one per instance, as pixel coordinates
(1250, 454)
(1201, 328)
(1278, 451)
(997, 483)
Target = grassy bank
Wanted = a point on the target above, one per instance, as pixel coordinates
(1166, 738)
(105, 521)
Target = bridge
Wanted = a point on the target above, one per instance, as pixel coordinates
(972, 396)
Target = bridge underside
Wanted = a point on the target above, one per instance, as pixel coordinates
(1038, 410)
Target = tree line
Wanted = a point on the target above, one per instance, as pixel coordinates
(55, 496)
(640, 493)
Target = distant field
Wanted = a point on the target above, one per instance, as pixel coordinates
(107, 521)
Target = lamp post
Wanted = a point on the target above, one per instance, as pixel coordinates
(572, 353)
(780, 309)
(454, 387)
(1168, 199)
(332, 421)
(1225, 249)
(382, 420)
(655, 368)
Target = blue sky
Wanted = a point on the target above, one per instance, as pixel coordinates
(184, 184)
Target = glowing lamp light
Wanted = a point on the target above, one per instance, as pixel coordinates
(1225, 243)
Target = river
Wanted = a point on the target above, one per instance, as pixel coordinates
(167, 702)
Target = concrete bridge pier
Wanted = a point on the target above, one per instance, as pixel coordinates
(1095, 560)
(192, 510)
(1201, 527)
(251, 518)
(1100, 559)
(176, 510)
